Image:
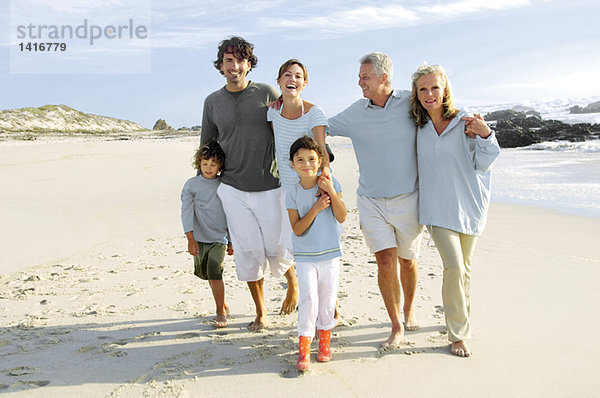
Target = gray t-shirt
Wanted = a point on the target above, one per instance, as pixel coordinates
(321, 241)
(202, 211)
(239, 124)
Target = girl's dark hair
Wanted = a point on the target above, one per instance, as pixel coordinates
(210, 150)
(240, 49)
(305, 142)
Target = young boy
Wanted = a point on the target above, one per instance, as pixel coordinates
(316, 241)
(205, 225)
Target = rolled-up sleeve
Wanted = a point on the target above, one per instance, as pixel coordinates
(486, 152)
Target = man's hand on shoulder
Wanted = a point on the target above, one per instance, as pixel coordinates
(276, 104)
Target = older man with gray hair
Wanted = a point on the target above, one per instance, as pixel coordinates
(384, 141)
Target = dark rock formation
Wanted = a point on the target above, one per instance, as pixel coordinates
(161, 125)
(193, 128)
(594, 107)
(516, 129)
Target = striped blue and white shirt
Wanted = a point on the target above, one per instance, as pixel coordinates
(287, 131)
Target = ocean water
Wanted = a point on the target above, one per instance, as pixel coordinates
(556, 109)
(564, 176)
(560, 175)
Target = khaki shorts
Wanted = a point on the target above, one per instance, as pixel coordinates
(208, 263)
(391, 222)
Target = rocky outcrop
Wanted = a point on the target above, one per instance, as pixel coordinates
(594, 107)
(516, 129)
(161, 125)
(61, 118)
(193, 128)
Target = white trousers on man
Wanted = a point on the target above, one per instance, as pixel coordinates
(254, 223)
(318, 287)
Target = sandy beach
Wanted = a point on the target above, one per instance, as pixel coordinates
(98, 299)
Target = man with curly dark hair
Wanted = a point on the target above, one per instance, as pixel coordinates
(235, 116)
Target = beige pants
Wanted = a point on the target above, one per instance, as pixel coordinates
(456, 251)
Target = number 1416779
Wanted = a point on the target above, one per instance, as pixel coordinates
(39, 47)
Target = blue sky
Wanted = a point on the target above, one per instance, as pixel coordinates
(496, 51)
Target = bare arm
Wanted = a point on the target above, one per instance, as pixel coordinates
(337, 203)
(300, 225)
(319, 136)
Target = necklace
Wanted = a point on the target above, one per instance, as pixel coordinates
(302, 114)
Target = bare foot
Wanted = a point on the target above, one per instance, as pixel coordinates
(291, 300)
(226, 309)
(394, 341)
(410, 322)
(221, 321)
(460, 349)
(337, 315)
(257, 325)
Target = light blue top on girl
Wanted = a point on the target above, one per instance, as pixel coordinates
(321, 241)
(455, 177)
(287, 131)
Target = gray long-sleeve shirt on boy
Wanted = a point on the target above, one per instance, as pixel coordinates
(202, 211)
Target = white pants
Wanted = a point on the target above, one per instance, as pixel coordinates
(285, 239)
(254, 223)
(456, 251)
(318, 286)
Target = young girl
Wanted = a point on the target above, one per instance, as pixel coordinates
(314, 220)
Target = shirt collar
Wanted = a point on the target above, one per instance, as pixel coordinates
(395, 94)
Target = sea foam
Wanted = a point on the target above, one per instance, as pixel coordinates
(585, 146)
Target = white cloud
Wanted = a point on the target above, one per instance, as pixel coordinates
(354, 20)
(368, 18)
(557, 84)
(459, 9)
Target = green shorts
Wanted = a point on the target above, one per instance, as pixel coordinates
(208, 263)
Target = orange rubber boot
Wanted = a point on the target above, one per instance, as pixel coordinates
(304, 356)
(324, 354)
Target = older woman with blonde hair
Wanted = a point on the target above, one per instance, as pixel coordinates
(456, 151)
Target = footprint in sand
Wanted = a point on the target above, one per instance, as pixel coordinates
(440, 338)
(19, 371)
(291, 373)
(27, 384)
(190, 335)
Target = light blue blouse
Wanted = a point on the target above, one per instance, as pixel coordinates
(455, 177)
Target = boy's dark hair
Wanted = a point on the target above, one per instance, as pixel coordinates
(305, 142)
(240, 49)
(210, 150)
